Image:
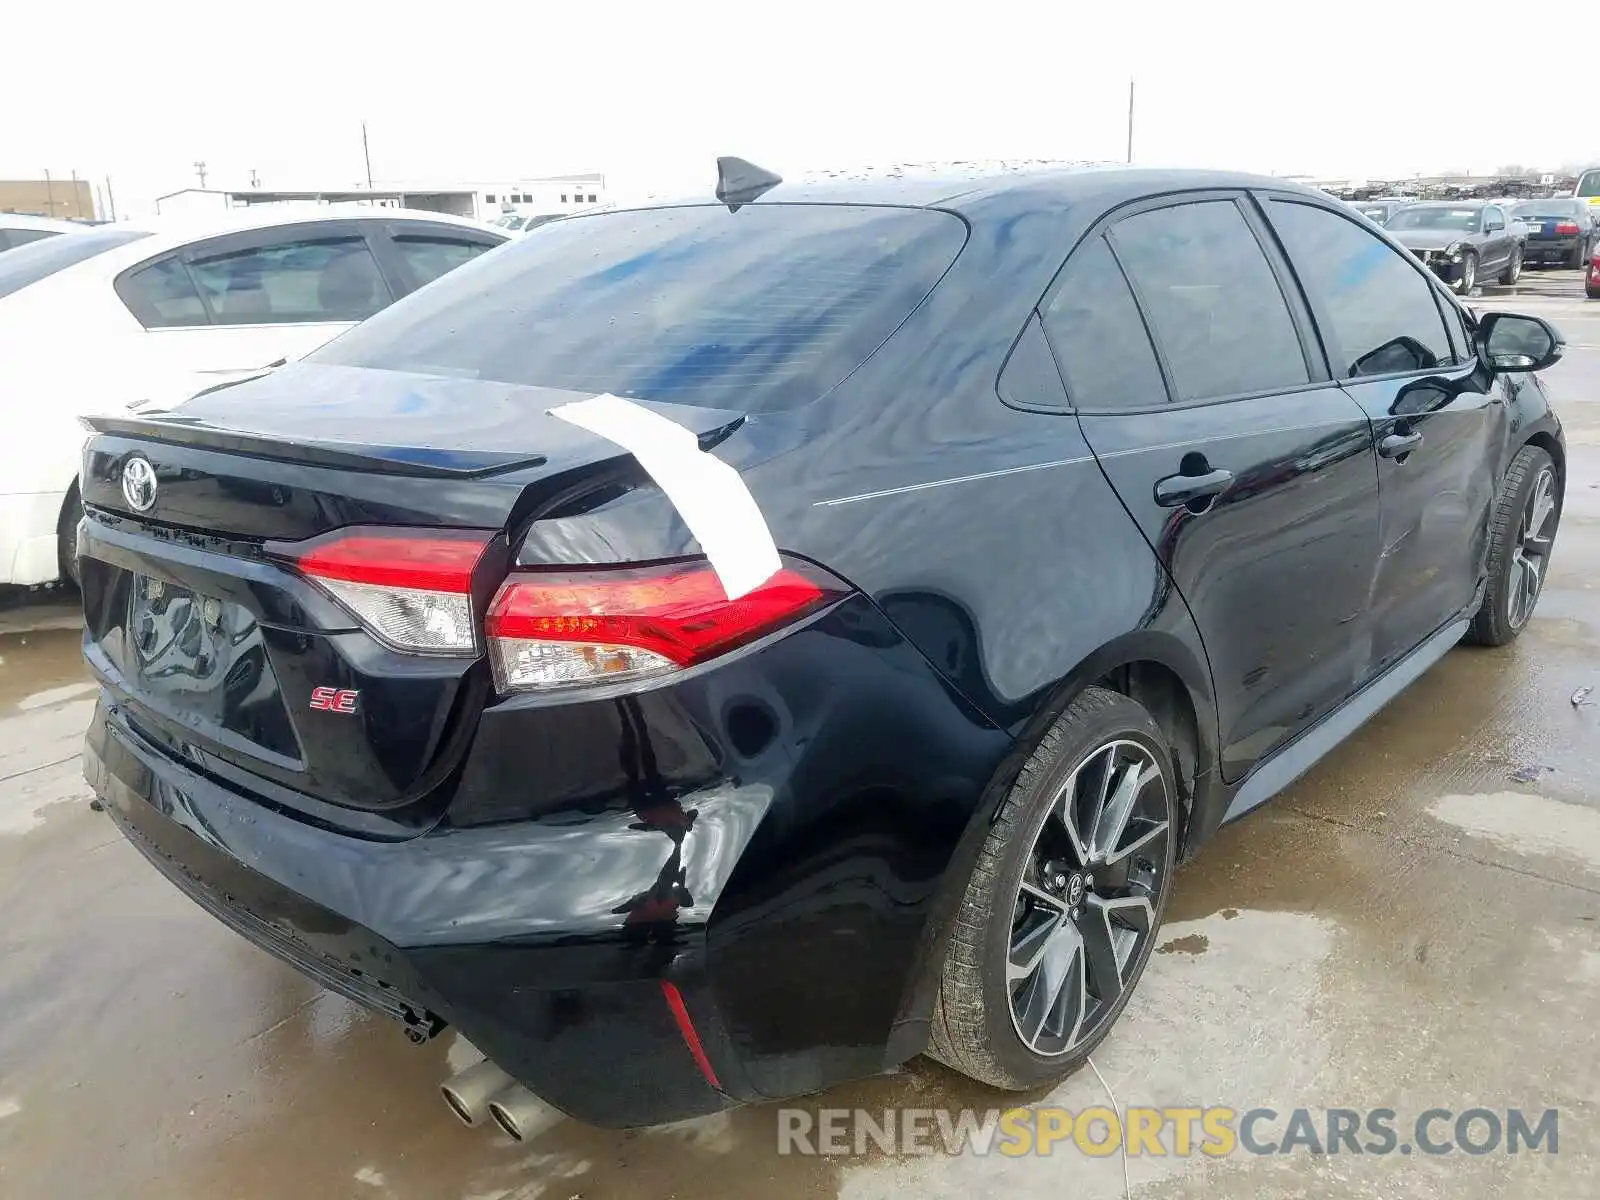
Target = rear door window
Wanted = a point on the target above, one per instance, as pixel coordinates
(292, 282)
(765, 308)
(1099, 337)
(426, 257)
(1381, 310)
(1216, 309)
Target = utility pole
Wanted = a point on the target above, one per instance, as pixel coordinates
(366, 154)
(73, 202)
(50, 194)
(111, 201)
(200, 170)
(1130, 120)
(255, 180)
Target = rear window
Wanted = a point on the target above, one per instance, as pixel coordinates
(1547, 208)
(33, 262)
(1589, 184)
(761, 309)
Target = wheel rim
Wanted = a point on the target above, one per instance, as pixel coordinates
(1530, 556)
(1469, 275)
(1516, 266)
(1085, 910)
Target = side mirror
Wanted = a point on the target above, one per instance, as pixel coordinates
(1515, 342)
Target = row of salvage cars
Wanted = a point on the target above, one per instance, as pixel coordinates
(126, 316)
(1469, 242)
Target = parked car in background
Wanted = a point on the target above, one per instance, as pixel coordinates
(1591, 284)
(1381, 209)
(1587, 188)
(118, 316)
(710, 652)
(1461, 241)
(18, 229)
(1561, 233)
(521, 223)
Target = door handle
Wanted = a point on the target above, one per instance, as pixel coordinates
(1185, 489)
(1398, 445)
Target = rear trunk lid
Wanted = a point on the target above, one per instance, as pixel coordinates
(217, 649)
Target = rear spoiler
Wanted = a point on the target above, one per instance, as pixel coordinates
(430, 462)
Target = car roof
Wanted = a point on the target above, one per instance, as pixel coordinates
(964, 185)
(1454, 203)
(29, 221)
(173, 231)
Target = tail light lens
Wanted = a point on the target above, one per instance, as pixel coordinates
(550, 631)
(1567, 227)
(411, 588)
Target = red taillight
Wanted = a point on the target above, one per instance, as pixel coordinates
(1566, 227)
(411, 587)
(601, 626)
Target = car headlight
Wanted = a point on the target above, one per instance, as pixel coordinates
(1453, 251)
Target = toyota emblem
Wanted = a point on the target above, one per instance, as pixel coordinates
(139, 483)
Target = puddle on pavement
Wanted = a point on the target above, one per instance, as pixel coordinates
(41, 668)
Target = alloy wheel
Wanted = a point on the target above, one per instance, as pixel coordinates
(1530, 556)
(1086, 907)
(1469, 274)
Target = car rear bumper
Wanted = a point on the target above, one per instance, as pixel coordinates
(547, 1013)
(29, 547)
(788, 876)
(1555, 250)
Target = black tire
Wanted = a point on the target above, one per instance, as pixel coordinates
(1521, 538)
(976, 1029)
(1578, 258)
(67, 535)
(1513, 270)
(1469, 274)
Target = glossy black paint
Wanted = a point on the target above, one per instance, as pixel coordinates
(784, 833)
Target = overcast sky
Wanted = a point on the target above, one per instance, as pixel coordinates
(650, 93)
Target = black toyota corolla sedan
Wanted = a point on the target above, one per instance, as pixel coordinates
(708, 652)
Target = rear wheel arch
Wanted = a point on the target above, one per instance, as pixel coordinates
(1172, 684)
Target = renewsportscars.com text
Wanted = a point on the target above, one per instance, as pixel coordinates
(1161, 1132)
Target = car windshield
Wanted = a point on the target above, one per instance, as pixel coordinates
(1546, 208)
(1464, 220)
(1589, 183)
(33, 262)
(761, 309)
(1376, 211)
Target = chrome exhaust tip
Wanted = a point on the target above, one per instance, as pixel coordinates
(521, 1114)
(469, 1092)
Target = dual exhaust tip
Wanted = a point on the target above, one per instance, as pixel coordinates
(483, 1092)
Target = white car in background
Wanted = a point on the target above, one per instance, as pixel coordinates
(18, 229)
(117, 317)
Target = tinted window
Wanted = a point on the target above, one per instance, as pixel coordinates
(333, 279)
(1589, 184)
(162, 295)
(1549, 208)
(33, 262)
(765, 308)
(10, 239)
(1461, 218)
(1382, 311)
(426, 259)
(1213, 300)
(1099, 336)
(1030, 378)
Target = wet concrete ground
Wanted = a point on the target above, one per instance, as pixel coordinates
(1408, 927)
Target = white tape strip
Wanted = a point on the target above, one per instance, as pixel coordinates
(709, 494)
